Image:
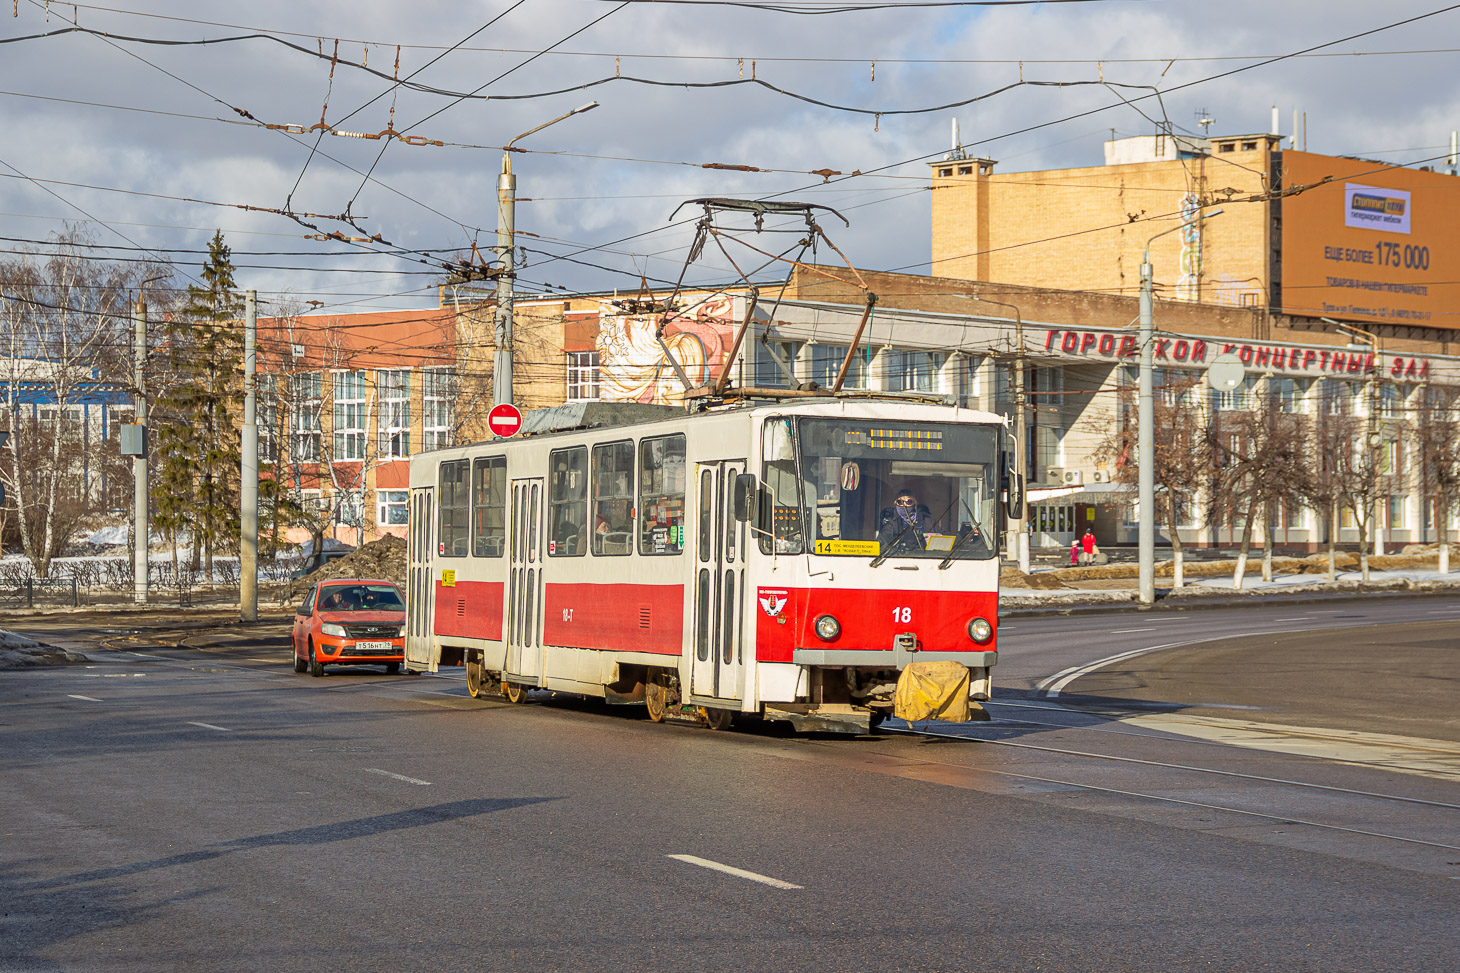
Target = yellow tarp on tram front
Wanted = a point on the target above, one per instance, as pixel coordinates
(933, 691)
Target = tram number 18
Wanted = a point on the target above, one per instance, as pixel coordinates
(902, 615)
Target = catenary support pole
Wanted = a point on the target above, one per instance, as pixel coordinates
(506, 213)
(1146, 445)
(139, 463)
(248, 519)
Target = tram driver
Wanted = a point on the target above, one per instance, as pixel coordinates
(906, 524)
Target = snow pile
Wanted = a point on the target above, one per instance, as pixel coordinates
(384, 559)
(18, 652)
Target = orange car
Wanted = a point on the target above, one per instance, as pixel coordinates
(348, 621)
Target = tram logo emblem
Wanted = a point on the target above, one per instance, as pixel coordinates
(774, 603)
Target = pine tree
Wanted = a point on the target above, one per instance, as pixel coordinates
(197, 436)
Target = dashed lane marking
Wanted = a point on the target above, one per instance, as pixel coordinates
(774, 883)
(209, 726)
(89, 699)
(1127, 631)
(399, 777)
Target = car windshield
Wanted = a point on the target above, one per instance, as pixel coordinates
(865, 488)
(360, 598)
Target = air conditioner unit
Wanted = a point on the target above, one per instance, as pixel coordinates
(1054, 474)
(1100, 476)
(1073, 478)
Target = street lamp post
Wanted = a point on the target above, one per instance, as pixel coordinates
(1146, 427)
(506, 216)
(1021, 536)
(140, 518)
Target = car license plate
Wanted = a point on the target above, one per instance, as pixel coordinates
(373, 646)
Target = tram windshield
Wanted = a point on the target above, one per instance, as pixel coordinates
(880, 489)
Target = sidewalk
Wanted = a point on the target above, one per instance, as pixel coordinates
(1216, 590)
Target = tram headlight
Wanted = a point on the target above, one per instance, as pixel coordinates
(828, 629)
(980, 630)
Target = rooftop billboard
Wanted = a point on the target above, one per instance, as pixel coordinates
(1372, 244)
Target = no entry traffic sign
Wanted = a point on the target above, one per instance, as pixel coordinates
(505, 420)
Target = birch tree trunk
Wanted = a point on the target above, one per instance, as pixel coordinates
(1241, 568)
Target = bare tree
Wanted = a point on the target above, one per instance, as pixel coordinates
(1437, 435)
(1181, 454)
(1329, 435)
(64, 322)
(1259, 467)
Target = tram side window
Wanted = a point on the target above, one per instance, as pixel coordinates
(568, 502)
(779, 477)
(613, 498)
(489, 506)
(455, 508)
(661, 495)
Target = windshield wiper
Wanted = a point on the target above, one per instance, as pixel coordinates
(975, 530)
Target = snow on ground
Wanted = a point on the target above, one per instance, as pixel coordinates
(19, 652)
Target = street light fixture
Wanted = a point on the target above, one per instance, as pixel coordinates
(1146, 423)
(506, 216)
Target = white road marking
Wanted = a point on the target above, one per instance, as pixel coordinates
(263, 660)
(122, 675)
(1127, 631)
(1295, 618)
(89, 699)
(732, 870)
(400, 777)
(209, 726)
(1055, 684)
(1436, 759)
(144, 655)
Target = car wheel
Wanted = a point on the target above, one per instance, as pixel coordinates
(316, 668)
(391, 668)
(300, 664)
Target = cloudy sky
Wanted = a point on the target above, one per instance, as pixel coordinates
(155, 141)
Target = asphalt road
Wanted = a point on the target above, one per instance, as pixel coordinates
(199, 806)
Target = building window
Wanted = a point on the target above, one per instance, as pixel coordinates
(489, 507)
(349, 509)
(349, 416)
(826, 361)
(393, 392)
(1048, 447)
(304, 401)
(913, 371)
(1338, 397)
(391, 507)
(438, 396)
(568, 502)
(1249, 146)
(1235, 399)
(1396, 513)
(1288, 394)
(1388, 401)
(775, 364)
(582, 376)
(267, 417)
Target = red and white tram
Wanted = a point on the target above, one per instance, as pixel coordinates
(781, 558)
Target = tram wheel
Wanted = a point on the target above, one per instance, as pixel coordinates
(656, 701)
(716, 719)
(514, 692)
(474, 678)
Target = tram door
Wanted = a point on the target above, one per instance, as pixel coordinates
(718, 667)
(524, 586)
(420, 581)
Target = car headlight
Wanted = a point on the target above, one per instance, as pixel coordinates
(400, 632)
(980, 630)
(330, 628)
(828, 628)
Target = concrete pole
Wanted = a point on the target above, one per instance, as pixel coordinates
(139, 463)
(1146, 444)
(1021, 435)
(506, 214)
(248, 514)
